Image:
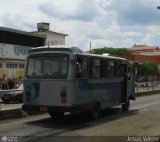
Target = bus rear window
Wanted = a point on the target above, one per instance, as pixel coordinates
(54, 67)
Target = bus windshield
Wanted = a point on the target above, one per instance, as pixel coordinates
(49, 66)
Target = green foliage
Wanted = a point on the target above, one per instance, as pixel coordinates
(112, 51)
(147, 69)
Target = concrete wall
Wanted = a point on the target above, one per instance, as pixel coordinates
(8, 51)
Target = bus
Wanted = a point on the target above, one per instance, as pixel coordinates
(65, 79)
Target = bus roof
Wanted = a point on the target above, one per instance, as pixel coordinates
(74, 50)
(56, 48)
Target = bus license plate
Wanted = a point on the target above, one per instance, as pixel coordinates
(44, 109)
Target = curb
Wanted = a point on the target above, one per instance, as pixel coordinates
(10, 113)
(154, 92)
(16, 113)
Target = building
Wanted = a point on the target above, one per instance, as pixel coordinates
(145, 53)
(52, 38)
(14, 45)
(145, 50)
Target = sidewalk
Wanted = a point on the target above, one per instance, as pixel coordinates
(4, 106)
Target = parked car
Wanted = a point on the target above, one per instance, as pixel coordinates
(15, 94)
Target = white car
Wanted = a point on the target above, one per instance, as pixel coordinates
(15, 94)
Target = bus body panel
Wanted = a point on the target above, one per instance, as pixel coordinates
(48, 92)
(104, 91)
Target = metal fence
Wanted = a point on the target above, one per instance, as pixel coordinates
(147, 86)
(139, 87)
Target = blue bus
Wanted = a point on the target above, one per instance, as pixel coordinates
(65, 79)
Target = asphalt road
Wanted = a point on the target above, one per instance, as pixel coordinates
(142, 122)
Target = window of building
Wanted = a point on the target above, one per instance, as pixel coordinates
(0, 65)
(11, 65)
(21, 66)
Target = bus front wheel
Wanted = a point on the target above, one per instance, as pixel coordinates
(125, 106)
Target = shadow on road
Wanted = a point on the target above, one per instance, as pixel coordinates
(82, 120)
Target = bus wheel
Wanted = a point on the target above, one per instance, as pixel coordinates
(95, 112)
(125, 106)
(56, 114)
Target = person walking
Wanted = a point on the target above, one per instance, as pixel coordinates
(4, 83)
(10, 83)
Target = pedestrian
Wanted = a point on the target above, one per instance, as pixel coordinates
(10, 83)
(4, 83)
(20, 80)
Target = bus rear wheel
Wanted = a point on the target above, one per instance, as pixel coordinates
(125, 106)
(56, 115)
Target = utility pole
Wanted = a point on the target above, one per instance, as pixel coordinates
(90, 47)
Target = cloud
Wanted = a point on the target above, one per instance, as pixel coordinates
(25, 24)
(135, 11)
(153, 32)
(72, 10)
(100, 43)
(116, 23)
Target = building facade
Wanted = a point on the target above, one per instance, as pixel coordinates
(145, 50)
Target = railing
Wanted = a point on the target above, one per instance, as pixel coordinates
(147, 86)
(139, 87)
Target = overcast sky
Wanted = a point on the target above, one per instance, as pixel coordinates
(113, 23)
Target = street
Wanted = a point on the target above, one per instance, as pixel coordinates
(141, 120)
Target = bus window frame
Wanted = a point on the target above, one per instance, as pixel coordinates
(34, 56)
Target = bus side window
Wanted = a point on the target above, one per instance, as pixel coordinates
(82, 67)
(96, 68)
(111, 68)
(78, 69)
(106, 68)
(130, 73)
(118, 68)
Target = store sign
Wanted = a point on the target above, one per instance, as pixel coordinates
(21, 50)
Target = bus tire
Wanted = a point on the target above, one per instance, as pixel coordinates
(96, 111)
(56, 115)
(125, 106)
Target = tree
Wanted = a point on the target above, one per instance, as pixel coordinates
(112, 51)
(146, 69)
